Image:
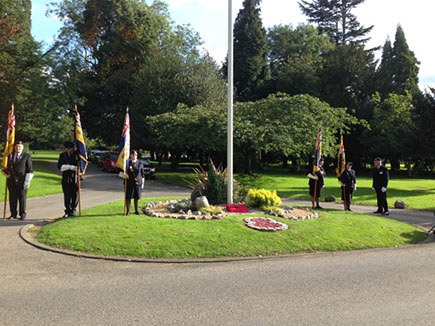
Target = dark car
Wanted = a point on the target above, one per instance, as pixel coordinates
(109, 162)
(149, 170)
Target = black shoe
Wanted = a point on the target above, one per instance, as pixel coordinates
(12, 217)
(378, 212)
(127, 214)
(65, 215)
(386, 213)
(137, 213)
(318, 207)
(23, 217)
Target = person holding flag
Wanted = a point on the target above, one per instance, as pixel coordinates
(82, 155)
(134, 182)
(346, 177)
(67, 164)
(317, 178)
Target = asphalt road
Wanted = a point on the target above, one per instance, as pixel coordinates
(368, 287)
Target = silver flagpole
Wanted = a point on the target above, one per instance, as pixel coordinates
(230, 106)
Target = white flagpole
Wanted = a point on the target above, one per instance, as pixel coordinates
(230, 106)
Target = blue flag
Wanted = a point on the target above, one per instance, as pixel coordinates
(80, 144)
(124, 148)
(318, 153)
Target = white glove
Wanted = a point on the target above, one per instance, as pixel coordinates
(314, 177)
(73, 167)
(383, 189)
(373, 189)
(29, 177)
(341, 183)
(354, 188)
(143, 182)
(64, 167)
(122, 175)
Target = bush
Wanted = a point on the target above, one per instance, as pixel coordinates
(215, 190)
(263, 198)
(213, 210)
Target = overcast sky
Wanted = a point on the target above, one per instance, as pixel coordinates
(210, 19)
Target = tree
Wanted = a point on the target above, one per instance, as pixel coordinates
(250, 52)
(384, 73)
(296, 58)
(334, 17)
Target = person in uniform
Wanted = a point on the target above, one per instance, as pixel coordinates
(67, 163)
(135, 181)
(20, 171)
(320, 177)
(348, 185)
(380, 183)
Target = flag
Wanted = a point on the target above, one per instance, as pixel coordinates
(80, 144)
(341, 159)
(10, 140)
(318, 153)
(124, 148)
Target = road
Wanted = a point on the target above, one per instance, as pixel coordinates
(368, 287)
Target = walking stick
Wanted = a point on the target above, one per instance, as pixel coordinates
(6, 199)
(78, 183)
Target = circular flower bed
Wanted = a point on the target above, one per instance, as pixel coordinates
(265, 224)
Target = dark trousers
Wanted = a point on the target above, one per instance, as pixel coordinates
(346, 195)
(382, 200)
(70, 197)
(17, 194)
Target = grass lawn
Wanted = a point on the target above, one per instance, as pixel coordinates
(104, 230)
(46, 181)
(416, 193)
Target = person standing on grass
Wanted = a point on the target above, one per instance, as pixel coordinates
(316, 189)
(20, 169)
(67, 163)
(135, 181)
(380, 183)
(348, 185)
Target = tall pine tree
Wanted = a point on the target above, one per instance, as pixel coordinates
(334, 18)
(251, 68)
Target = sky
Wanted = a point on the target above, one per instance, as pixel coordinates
(210, 19)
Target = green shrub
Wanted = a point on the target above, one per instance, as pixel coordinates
(215, 190)
(263, 198)
(213, 210)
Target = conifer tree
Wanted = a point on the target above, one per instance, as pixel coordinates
(334, 17)
(250, 52)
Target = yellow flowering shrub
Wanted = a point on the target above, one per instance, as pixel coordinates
(263, 198)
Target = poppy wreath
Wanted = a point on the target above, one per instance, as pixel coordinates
(265, 224)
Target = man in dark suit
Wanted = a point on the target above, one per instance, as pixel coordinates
(380, 183)
(348, 185)
(316, 189)
(67, 163)
(20, 170)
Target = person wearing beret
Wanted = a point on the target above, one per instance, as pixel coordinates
(20, 171)
(67, 164)
(348, 185)
(380, 184)
(135, 181)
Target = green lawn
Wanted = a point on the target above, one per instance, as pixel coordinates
(46, 181)
(416, 193)
(104, 230)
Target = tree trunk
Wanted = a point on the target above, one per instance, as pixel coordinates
(248, 163)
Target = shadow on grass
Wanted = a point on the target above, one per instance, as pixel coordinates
(414, 236)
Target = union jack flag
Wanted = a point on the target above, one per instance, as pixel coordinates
(341, 159)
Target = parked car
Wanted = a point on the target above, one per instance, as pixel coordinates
(149, 170)
(96, 156)
(109, 162)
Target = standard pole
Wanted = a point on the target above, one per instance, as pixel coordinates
(6, 199)
(78, 184)
(230, 106)
(125, 197)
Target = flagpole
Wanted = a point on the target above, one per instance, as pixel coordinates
(125, 197)
(6, 199)
(230, 106)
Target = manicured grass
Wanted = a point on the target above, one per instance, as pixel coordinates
(46, 180)
(104, 230)
(416, 193)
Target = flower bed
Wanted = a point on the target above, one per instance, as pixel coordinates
(265, 224)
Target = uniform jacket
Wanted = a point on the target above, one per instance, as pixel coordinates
(68, 176)
(380, 177)
(20, 167)
(135, 173)
(321, 177)
(348, 178)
